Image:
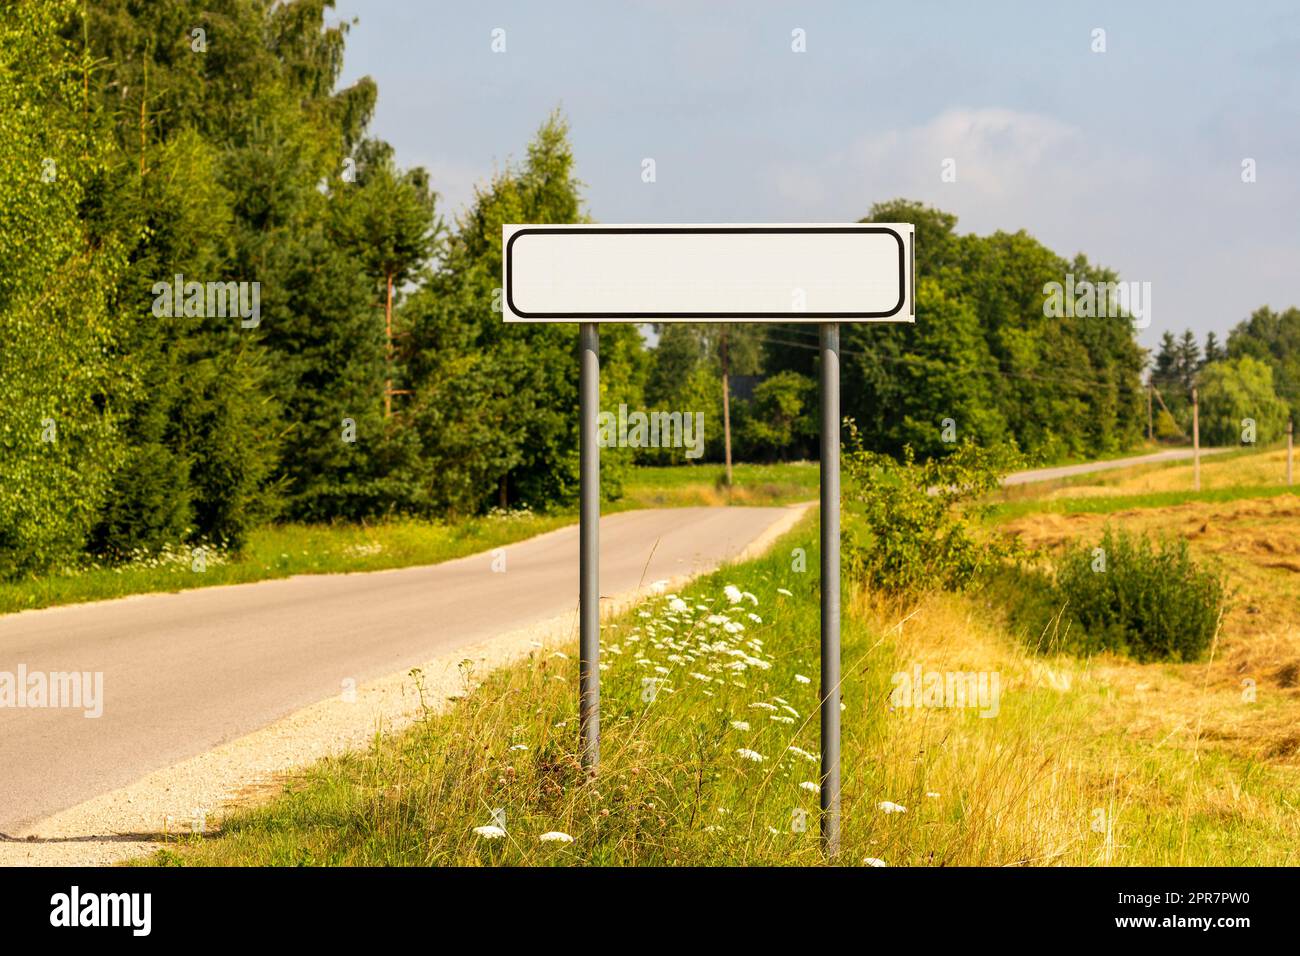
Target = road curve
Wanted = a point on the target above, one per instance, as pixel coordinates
(1087, 467)
(186, 672)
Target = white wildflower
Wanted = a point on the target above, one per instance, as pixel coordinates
(490, 832)
(753, 755)
(555, 836)
(890, 807)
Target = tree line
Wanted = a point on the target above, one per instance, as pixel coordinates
(179, 144)
(1252, 384)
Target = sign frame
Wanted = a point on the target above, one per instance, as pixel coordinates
(906, 252)
(829, 443)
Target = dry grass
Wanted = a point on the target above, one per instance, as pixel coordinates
(1257, 544)
(1255, 468)
(1086, 762)
(1096, 761)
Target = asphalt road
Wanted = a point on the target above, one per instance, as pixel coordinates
(183, 673)
(1065, 471)
(186, 672)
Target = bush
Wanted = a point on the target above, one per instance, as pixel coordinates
(1148, 600)
(909, 526)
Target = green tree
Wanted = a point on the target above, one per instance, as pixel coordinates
(224, 141)
(1234, 391)
(59, 384)
(1214, 352)
(526, 373)
(388, 222)
(1273, 337)
(781, 420)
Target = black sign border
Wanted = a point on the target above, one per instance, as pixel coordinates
(705, 316)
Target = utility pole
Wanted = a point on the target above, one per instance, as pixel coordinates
(388, 347)
(1196, 442)
(1290, 429)
(1150, 431)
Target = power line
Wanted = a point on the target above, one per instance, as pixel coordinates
(1000, 371)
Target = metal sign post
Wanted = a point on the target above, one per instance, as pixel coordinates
(825, 274)
(589, 548)
(830, 586)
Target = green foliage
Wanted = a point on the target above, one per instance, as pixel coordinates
(1175, 371)
(1130, 595)
(221, 157)
(58, 320)
(983, 354)
(1274, 338)
(911, 526)
(780, 422)
(682, 376)
(381, 378)
(1234, 390)
(1166, 427)
(526, 425)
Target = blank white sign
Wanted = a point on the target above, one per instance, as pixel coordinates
(858, 272)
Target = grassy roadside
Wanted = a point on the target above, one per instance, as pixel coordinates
(1097, 504)
(693, 485)
(1223, 469)
(279, 551)
(709, 718)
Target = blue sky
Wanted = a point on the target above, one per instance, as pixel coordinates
(1132, 156)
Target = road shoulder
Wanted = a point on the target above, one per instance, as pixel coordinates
(192, 795)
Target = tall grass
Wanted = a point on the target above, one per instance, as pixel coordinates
(707, 735)
(279, 551)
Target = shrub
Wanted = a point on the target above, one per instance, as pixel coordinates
(1148, 600)
(909, 526)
